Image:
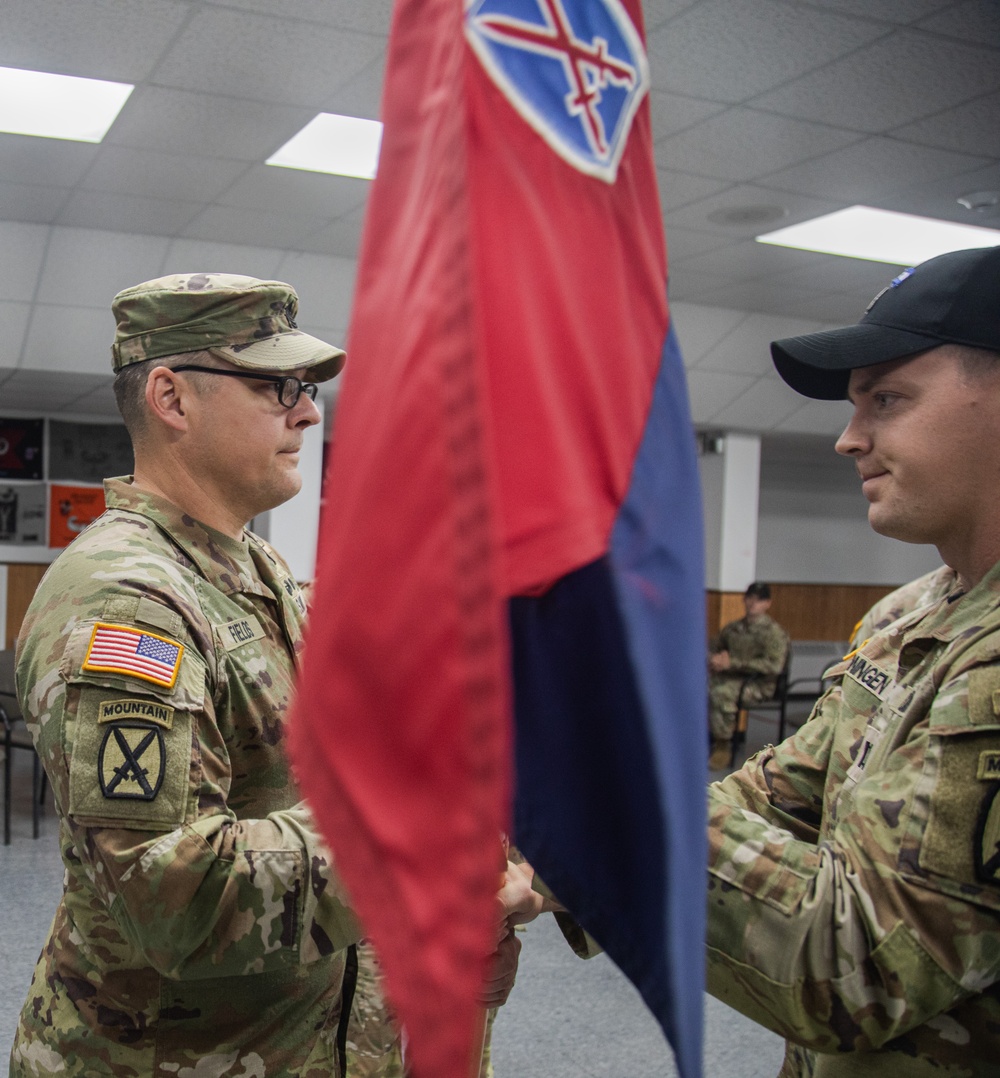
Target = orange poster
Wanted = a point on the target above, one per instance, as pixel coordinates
(71, 509)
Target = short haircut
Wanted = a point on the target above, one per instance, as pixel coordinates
(758, 590)
(130, 386)
(977, 363)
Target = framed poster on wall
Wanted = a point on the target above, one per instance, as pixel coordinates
(21, 448)
(22, 514)
(71, 509)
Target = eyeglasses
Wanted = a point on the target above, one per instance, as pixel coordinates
(289, 387)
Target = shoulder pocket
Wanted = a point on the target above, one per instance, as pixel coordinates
(961, 769)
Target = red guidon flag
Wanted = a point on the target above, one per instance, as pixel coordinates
(511, 528)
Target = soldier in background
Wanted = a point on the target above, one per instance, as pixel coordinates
(752, 647)
(202, 929)
(854, 870)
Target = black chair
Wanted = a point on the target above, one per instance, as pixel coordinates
(785, 692)
(16, 736)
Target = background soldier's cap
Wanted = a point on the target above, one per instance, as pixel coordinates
(951, 299)
(249, 322)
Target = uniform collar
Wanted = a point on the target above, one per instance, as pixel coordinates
(227, 562)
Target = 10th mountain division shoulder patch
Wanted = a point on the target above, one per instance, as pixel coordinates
(131, 761)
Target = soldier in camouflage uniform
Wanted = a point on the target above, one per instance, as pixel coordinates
(202, 929)
(374, 1044)
(854, 870)
(747, 654)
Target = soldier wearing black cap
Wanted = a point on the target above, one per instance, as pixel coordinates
(854, 871)
(744, 662)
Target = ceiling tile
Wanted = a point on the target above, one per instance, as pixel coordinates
(294, 191)
(102, 39)
(60, 390)
(700, 328)
(750, 294)
(24, 159)
(901, 11)
(74, 340)
(684, 243)
(205, 124)
(360, 95)
(765, 404)
(325, 287)
(658, 11)
(204, 256)
(897, 80)
(679, 188)
(977, 21)
(939, 198)
(748, 349)
(254, 227)
(747, 259)
(13, 326)
(305, 62)
(30, 202)
(22, 247)
(818, 417)
(172, 176)
(96, 402)
(368, 16)
(797, 208)
(872, 166)
(673, 112)
(741, 144)
(711, 391)
(85, 268)
(126, 213)
(972, 128)
(728, 50)
(341, 238)
(830, 308)
(686, 285)
(833, 273)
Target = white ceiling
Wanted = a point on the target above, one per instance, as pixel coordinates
(806, 107)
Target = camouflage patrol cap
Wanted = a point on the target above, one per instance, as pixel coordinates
(247, 321)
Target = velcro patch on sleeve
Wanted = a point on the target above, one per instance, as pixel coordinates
(124, 649)
(142, 710)
(131, 761)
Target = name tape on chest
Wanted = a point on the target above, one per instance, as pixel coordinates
(870, 676)
(124, 649)
(235, 634)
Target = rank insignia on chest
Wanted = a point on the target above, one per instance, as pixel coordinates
(131, 761)
(123, 649)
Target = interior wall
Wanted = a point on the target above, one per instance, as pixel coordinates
(813, 522)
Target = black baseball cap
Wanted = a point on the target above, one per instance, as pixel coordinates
(951, 299)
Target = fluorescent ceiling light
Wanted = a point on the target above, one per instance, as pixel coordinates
(58, 106)
(881, 236)
(343, 145)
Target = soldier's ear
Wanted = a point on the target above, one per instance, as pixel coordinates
(167, 397)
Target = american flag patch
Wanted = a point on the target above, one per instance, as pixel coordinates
(120, 649)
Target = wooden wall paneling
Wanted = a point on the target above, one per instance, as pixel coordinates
(22, 580)
(806, 611)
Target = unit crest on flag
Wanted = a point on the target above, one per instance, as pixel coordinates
(575, 70)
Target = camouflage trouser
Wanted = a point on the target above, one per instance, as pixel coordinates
(373, 1041)
(723, 692)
